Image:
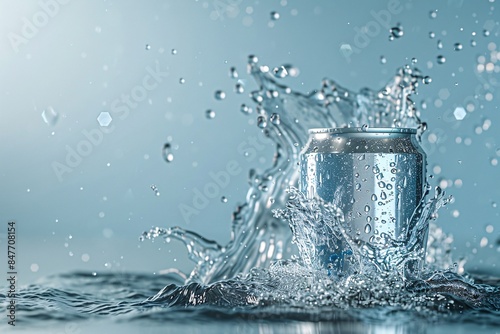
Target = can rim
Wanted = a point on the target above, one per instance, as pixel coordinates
(363, 130)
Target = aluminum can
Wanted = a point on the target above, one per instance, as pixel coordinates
(375, 176)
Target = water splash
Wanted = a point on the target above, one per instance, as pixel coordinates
(250, 272)
(265, 236)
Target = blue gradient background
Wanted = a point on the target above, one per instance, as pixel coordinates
(91, 52)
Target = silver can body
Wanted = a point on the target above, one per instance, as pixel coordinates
(375, 176)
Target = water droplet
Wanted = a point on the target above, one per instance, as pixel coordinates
(104, 118)
(50, 116)
(280, 72)
(396, 32)
(433, 14)
(441, 59)
(368, 228)
(174, 52)
(167, 153)
(383, 60)
(261, 122)
(275, 119)
(148, 47)
(220, 95)
(458, 46)
(374, 197)
(275, 16)
(155, 190)
(182, 81)
(427, 80)
(210, 114)
(364, 127)
(486, 33)
(223, 199)
(432, 35)
(383, 195)
(414, 60)
(238, 88)
(233, 73)
(245, 109)
(367, 208)
(253, 59)
(439, 44)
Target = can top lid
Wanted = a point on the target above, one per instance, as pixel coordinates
(363, 129)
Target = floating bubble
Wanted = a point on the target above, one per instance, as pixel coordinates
(439, 44)
(489, 229)
(427, 80)
(275, 16)
(441, 59)
(173, 51)
(458, 46)
(148, 47)
(210, 114)
(432, 35)
(220, 95)
(383, 60)
(473, 43)
(104, 118)
(484, 242)
(433, 14)
(414, 60)
(494, 161)
(182, 81)
(50, 116)
(223, 199)
(486, 32)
